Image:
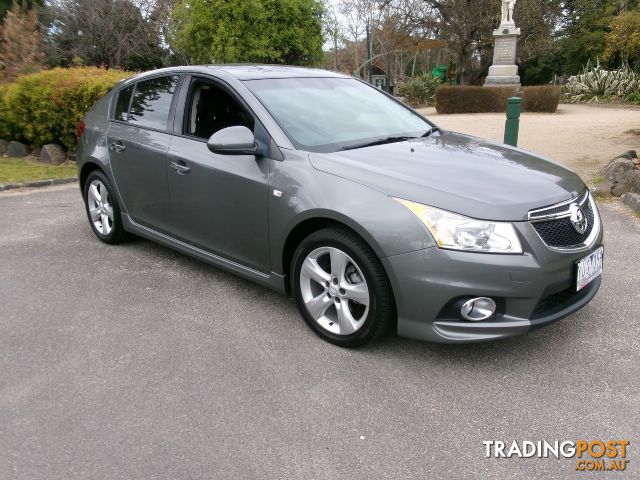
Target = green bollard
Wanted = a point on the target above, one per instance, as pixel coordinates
(512, 125)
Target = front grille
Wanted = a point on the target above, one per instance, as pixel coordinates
(561, 233)
(554, 226)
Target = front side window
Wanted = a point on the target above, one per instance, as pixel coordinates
(122, 104)
(151, 102)
(211, 108)
(330, 114)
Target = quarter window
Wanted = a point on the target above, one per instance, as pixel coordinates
(122, 105)
(151, 102)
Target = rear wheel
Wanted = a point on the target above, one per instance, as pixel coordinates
(102, 208)
(341, 288)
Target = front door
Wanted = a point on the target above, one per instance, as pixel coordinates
(138, 140)
(219, 201)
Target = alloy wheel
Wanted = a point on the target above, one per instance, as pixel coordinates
(334, 290)
(100, 208)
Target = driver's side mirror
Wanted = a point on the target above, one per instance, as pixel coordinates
(237, 140)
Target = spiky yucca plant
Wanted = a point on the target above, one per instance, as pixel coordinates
(596, 83)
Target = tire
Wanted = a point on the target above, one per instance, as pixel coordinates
(102, 206)
(341, 288)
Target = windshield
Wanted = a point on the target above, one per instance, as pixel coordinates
(330, 114)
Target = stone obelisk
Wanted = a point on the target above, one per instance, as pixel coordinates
(504, 71)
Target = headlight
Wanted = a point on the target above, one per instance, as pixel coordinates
(457, 232)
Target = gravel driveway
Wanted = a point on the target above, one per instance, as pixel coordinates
(138, 362)
(582, 137)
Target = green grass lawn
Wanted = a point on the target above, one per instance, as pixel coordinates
(18, 170)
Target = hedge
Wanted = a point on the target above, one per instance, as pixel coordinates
(464, 99)
(46, 106)
(544, 98)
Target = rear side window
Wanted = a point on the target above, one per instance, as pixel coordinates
(151, 102)
(122, 105)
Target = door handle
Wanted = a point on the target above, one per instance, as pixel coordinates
(181, 168)
(117, 146)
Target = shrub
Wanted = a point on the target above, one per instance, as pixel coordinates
(420, 90)
(633, 98)
(463, 99)
(6, 130)
(596, 82)
(45, 107)
(544, 98)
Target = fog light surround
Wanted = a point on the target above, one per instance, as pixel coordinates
(478, 309)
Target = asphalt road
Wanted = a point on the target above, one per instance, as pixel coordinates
(138, 362)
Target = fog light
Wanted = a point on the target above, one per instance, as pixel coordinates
(478, 309)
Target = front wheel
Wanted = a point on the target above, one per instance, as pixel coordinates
(341, 288)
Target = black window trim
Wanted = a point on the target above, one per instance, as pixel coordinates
(116, 96)
(266, 146)
(180, 127)
(172, 108)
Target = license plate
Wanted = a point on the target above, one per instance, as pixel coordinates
(588, 269)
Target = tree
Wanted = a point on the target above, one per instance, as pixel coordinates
(113, 33)
(585, 26)
(271, 31)
(466, 25)
(538, 49)
(5, 6)
(623, 41)
(397, 39)
(333, 30)
(20, 43)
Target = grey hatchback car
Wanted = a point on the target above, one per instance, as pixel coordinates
(322, 187)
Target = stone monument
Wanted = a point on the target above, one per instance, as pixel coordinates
(504, 71)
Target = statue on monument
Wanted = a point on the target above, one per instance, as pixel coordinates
(507, 12)
(504, 70)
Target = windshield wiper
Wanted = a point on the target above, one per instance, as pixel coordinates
(380, 141)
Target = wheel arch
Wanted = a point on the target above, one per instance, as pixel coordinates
(86, 169)
(314, 222)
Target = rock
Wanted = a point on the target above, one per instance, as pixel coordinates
(602, 190)
(623, 174)
(53, 154)
(17, 149)
(3, 147)
(618, 168)
(633, 200)
(627, 182)
(629, 155)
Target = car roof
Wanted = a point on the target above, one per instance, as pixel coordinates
(254, 72)
(247, 72)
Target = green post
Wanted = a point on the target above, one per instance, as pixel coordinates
(512, 125)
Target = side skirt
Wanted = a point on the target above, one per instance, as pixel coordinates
(273, 281)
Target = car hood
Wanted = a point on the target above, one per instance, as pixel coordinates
(458, 173)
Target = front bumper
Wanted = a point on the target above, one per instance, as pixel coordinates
(532, 290)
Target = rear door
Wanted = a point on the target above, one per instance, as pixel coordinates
(138, 140)
(220, 202)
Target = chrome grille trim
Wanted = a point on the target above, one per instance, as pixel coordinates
(559, 210)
